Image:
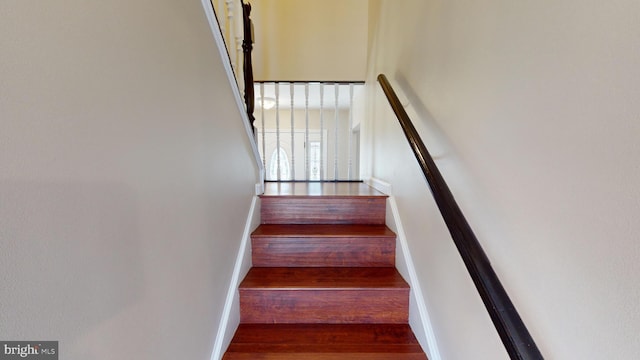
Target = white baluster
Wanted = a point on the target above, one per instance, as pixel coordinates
(321, 131)
(221, 15)
(293, 153)
(336, 90)
(264, 150)
(230, 33)
(239, 37)
(277, 85)
(349, 175)
(307, 146)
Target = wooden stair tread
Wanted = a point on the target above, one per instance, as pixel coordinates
(317, 278)
(323, 251)
(322, 203)
(322, 245)
(323, 356)
(322, 230)
(323, 285)
(315, 189)
(368, 210)
(326, 348)
(318, 334)
(323, 341)
(324, 306)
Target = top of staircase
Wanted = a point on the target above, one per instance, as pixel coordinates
(335, 189)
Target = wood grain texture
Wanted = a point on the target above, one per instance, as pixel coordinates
(323, 356)
(323, 285)
(323, 245)
(312, 230)
(319, 189)
(323, 210)
(328, 306)
(309, 341)
(314, 334)
(291, 278)
(322, 252)
(324, 295)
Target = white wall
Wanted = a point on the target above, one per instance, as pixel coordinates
(126, 179)
(310, 40)
(532, 113)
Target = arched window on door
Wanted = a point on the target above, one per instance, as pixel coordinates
(279, 164)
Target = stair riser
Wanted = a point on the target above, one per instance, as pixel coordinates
(322, 335)
(325, 342)
(322, 356)
(354, 210)
(323, 285)
(323, 252)
(304, 306)
(327, 347)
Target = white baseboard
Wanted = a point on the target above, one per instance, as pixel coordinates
(419, 318)
(230, 318)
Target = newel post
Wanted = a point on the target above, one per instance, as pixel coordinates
(247, 47)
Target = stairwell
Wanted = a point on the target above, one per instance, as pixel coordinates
(323, 284)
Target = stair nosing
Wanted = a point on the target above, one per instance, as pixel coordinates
(320, 231)
(321, 279)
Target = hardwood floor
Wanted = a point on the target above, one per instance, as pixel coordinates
(324, 284)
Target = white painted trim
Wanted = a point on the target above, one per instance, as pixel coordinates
(429, 339)
(219, 40)
(227, 326)
(380, 185)
(425, 333)
(260, 188)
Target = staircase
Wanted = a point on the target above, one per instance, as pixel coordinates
(323, 285)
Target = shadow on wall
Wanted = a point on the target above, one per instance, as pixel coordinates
(433, 136)
(69, 257)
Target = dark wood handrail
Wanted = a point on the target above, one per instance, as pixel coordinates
(247, 47)
(514, 334)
